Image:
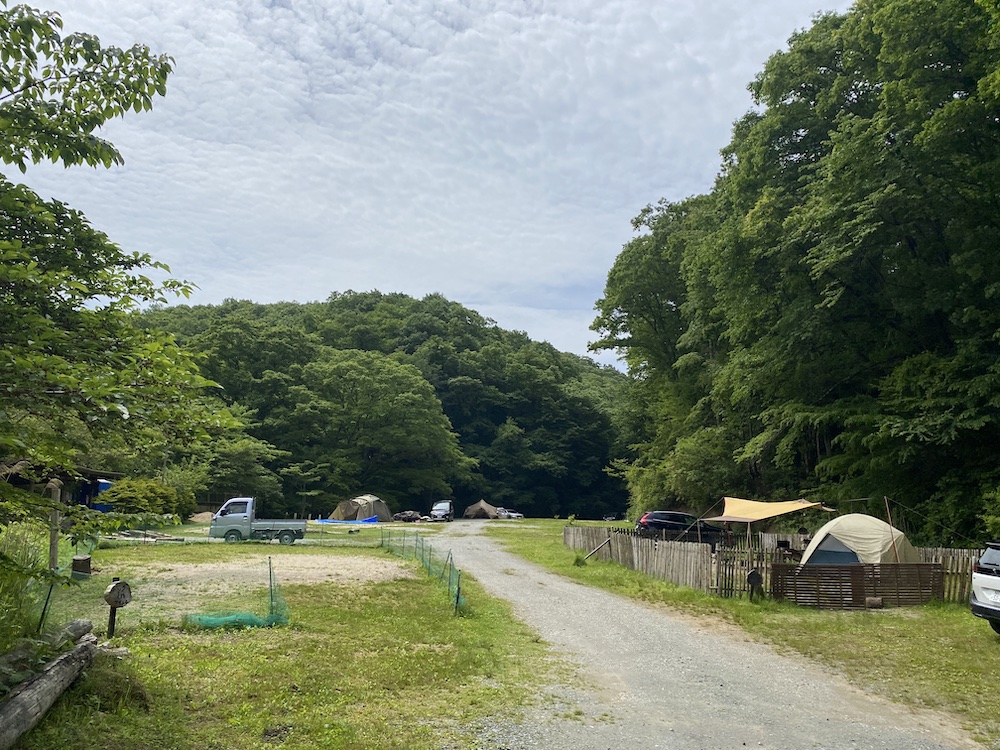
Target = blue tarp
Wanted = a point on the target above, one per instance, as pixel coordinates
(373, 519)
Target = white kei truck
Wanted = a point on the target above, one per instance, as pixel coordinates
(236, 521)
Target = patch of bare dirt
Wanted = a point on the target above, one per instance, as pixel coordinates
(174, 589)
(251, 570)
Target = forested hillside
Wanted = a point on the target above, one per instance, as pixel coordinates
(412, 400)
(824, 322)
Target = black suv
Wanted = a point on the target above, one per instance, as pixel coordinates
(985, 597)
(678, 527)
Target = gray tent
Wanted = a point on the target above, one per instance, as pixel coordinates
(360, 508)
(482, 509)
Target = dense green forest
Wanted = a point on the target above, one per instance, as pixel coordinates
(826, 321)
(412, 400)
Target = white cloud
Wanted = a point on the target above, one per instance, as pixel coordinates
(491, 151)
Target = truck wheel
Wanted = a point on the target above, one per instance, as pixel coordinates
(286, 537)
(233, 536)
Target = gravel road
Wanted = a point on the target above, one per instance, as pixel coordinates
(647, 678)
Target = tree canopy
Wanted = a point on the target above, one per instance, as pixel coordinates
(78, 372)
(412, 400)
(56, 91)
(824, 321)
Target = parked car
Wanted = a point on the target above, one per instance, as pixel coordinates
(985, 597)
(678, 527)
(504, 513)
(443, 510)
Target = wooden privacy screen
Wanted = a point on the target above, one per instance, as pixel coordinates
(851, 586)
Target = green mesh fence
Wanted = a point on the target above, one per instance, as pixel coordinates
(413, 546)
(277, 612)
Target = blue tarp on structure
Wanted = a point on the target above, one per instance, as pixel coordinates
(373, 519)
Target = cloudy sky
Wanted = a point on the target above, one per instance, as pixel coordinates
(490, 150)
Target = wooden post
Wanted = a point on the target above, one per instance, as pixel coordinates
(55, 487)
(118, 594)
(892, 536)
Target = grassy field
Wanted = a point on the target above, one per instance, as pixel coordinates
(373, 657)
(938, 657)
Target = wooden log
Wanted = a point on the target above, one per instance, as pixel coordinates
(28, 703)
(19, 658)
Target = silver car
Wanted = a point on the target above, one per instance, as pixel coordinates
(443, 511)
(985, 597)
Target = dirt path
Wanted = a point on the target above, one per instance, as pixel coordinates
(652, 680)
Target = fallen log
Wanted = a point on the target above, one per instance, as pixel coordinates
(23, 657)
(28, 703)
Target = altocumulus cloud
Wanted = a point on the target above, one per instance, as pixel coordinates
(491, 151)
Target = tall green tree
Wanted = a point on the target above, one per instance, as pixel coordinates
(843, 305)
(77, 367)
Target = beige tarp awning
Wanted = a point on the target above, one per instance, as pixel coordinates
(738, 510)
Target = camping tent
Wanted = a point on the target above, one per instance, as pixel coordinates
(482, 509)
(857, 538)
(358, 508)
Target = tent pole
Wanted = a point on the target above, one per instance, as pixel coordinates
(892, 537)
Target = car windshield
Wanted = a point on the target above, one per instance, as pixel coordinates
(440, 506)
(991, 557)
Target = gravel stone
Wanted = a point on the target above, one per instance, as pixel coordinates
(649, 678)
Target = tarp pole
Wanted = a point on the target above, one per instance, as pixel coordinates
(892, 536)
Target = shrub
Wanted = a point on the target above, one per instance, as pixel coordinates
(141, 496)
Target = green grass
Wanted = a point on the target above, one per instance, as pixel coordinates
(938, 657)
(374, 665)
(386, 665)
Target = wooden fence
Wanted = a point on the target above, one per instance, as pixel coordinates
(725, 571)
(733, 566)
(858, 586)
(684, 563)
(956, 565)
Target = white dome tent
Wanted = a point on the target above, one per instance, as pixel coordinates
(857, 538)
